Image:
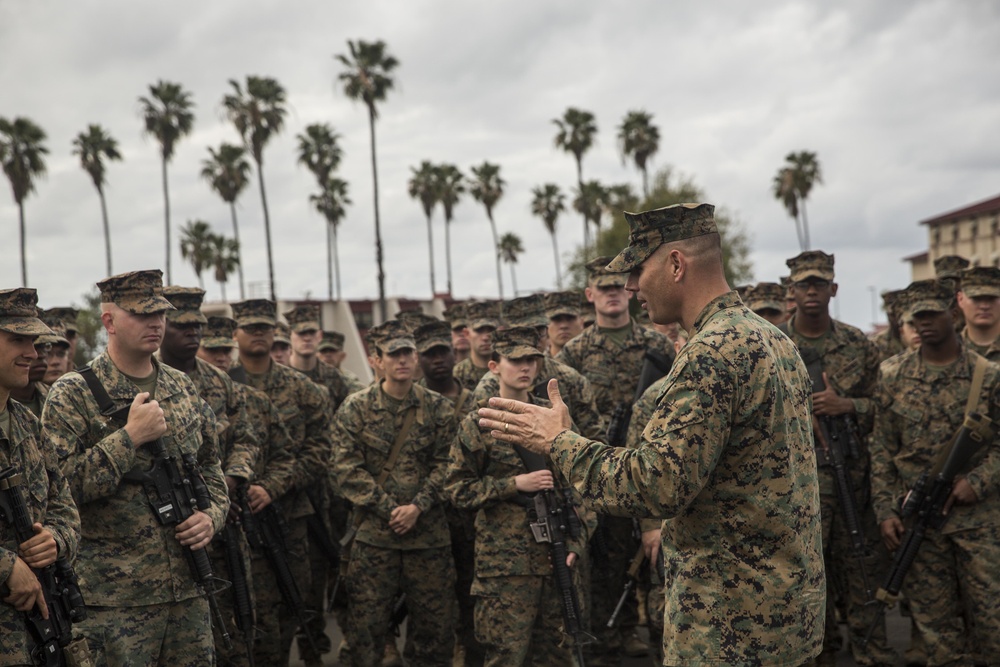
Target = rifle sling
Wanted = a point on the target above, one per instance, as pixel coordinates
(975, 391)
(104, 402)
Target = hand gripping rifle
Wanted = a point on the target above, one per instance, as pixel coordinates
(53, 637)
(924, 505)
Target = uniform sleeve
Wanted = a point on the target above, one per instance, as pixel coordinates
(275, 474)
(61, 516)
(312, 458)
(245, 448)
(584, 410)
(985, 477)
(356, 483)
(642, 412)
(211, 468)
(468, 487)
(432, 491)
(885, 443)
(567, 356)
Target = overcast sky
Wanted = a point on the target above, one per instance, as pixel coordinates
(899, 98)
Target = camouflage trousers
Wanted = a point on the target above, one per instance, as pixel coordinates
(426, 577)
(315, 600)
(462, 527)
(276, 623)
(238, 653)
(612, 549)
(519, 622)
(954, 592)
(172, 634)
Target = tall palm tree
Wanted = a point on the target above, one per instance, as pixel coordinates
(547, 203)
(639, 139)
(792, 185)
(258, 113)
(320, 151)
(620, 197)
(332, 202)
(225, 259)
(575, 136)
(368, 79)
(510, 249)
(228, 172)
(197, 246)
(94, 146)
(22, 152)
(487, 188)
(168, 117)
(452, 184)
(425, 187)
(591, 201)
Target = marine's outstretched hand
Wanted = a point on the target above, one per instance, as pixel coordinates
(530, 426)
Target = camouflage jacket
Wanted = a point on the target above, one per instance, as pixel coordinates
(728, 460)
(49, 503)
(481, 477)
(41, 393)
(468, 374)
(642, 413)
(991, 351)
(575, 390)
(887, 345)
(274, 466)
(364, 431)
(238, 443)
(334, 381)
(304, 409)
(918, 411)
(354, 383)
(127, 559)
(612, 370)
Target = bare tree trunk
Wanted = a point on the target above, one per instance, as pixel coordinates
(555, 256)
(239, 249)
(645, 183)
(513, 280)
(107, 231)
(166, 215)
(267, 230)
(222, 288)
(496, 252)
(586, 226)
(378, 225)
(805, 224)
(24, 252)
(447, 250)
(336, 260)
(329, 261)
(430, 248)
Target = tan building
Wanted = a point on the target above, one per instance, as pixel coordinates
(972, 232)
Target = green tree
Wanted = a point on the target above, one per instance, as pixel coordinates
(639, 139)
(168, 117)
(486, 188)
(225, 259)
(91, 338)
(510, 249)
(576, 133)
(22, 151)
(227, 170)
(591, 201)
(620, 197)
(452, 183)
(197, 246)
(258, 113)
(368, 79)
(320, 151)
(425, 187)
(792, 185)
(94, 147)
(332, 202)
(547, 203)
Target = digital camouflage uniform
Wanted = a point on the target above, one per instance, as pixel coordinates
(479, 315)
(418, 563)
(728, 461)
(887, 341)
(981, 281)
(954, 583)
(468, 374)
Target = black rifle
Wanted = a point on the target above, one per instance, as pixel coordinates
(231, 536)
(839, 432)
(265, 532)
(399, 613)
(320, 537)
(923, 507)
(632, 576)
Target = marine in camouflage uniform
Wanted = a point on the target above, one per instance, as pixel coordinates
(768, 301)
(727, 459)
(331, 352)
(483, 318)
(562, 309)
(304, 409)
(402, 541)
(238, 448)
(888, 341)
(979, 299)
(58, 360)
(33, 395)
(68, 316)
(518, 614)
(43, 487)
(953, 585)
(456, 316)
(850, 362)
(143, 604)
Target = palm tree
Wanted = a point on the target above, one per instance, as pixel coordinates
(591, 201)
(197, 246)
(319, 150)
(576, 135)
(547, 204)
(487, 188)
(640, 139)
(367, 78)
(792, 185)
(228, 172)
(168, 117)
(452, 184)
(424, 185)
(225, 259)
(22, 154)
(510, 249)
(332, 202)
(258, 114)
(94, 146)
(619, 198)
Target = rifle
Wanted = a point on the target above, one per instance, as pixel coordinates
(399, 613)
(655, 365)
(632, 575)
(60, 588)
(320, 537)
(923, 506)
(837, 431)
(231, 536)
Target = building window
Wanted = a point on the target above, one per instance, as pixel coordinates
(974, 230)
(936, 238)
(954, 233)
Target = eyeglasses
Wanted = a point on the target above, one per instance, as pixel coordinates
(818, 283)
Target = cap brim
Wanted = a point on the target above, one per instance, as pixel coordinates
(926, 306)
(629, 258)
(25, 326)
(518, 352)
(763, 305)
(216, 342)
(811, 273)
(186, 317)
(485, 322)
(981, 290)
(395, 344)
(144, 305)
(427, 346)
(556, 312)
(327, 347)
(251, 320)
(305, 326)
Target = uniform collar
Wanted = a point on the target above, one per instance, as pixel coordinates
(120, 388)
(412, 398)
(730, 299)
(915, 367)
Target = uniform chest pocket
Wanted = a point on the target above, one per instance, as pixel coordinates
(185, 434)
(848, 379)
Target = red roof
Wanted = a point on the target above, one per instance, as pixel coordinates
(983, 207)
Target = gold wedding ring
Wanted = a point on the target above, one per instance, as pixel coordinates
(506, 427)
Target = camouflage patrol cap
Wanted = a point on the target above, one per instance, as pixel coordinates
(892, 300)
(282, 333)
(218, 333)
(599, 276)
(138, 292)
(456, 316)
(303, 318)
(811, 264)
(67, 315)
(58, 335)
(332, 340)
(980, 281)
(526, 311)
(764, 296)
(742, 291)
(482, 314)
(587, 312)
(930, 295)
(392, 336)
(431, 335)
(255, 311)
(187, 304)
(19, 312)
(516, 342)
(649, 230)
(412, 319)
(562, 303)
(949, 266)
